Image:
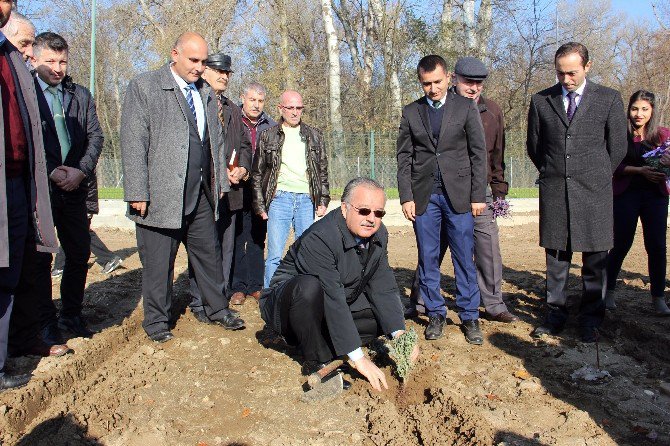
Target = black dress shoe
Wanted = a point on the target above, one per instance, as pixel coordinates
(230, 322)
(410, 312)
(435, 326)
(51, 335)
(200, 316)
(75, 325)
(13, 381)
(543, 330)
(161, 336)
(473, 334)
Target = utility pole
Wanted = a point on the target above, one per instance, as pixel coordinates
(91, 85)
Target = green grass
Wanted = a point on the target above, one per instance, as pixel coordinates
(106, 193)
(336, 193)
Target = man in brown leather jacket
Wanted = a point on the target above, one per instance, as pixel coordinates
(289, 177)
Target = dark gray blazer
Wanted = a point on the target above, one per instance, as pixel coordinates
(328, 251)
(237, 138)
(460, 152)
(576, 161)
(40, 205)
(155, 142)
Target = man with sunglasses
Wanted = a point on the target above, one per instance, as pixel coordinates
(289, 178)
(335, 291)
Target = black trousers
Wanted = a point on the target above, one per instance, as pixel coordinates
(98, 248)
(592, 307)
(304, 324)
(651, 207)
(248, 262)
(225, 237)
(18, 223)
(71, 220)
(158, 249)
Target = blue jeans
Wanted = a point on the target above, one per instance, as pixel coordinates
(459, 230)
(287, 209)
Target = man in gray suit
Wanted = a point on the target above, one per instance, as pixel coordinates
(576, 139)
(25, 212)
(172, 148)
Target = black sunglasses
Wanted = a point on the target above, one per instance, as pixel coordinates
(365, 212)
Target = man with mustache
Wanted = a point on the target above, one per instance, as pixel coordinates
(334, 291)
(576, 139)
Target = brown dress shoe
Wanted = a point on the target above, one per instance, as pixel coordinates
(44, 350)
(237, 298)
(505, 317)
(256, 295)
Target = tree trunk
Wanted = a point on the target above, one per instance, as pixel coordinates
(390, 64)
(447, 25)
(484, 25)
(469, 23)
(333, 66)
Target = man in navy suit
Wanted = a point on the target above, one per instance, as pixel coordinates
(442, 177)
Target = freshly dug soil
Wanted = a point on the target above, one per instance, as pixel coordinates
(209, 386)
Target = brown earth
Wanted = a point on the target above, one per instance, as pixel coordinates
(209, 386)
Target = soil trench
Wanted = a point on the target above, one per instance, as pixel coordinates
(209, 386)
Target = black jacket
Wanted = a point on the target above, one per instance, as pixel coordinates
(236, 138)
(460, 152)
(328, 251)
(81, 119)
(267, 161)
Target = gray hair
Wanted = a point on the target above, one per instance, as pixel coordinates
(359, 181)
(255, 86)
(11, 28)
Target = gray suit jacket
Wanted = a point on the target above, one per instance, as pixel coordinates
(576, 160)
(460, 152)
(45, 234)
(154, 146)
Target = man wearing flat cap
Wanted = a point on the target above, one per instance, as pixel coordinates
(441, 155)
(237, 147)
(468, 81)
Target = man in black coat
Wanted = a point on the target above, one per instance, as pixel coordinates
(335, 291)
(442, 174)
(73, 141)
(237, 146)
(576, 139)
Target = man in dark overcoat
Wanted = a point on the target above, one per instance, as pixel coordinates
(576, 139)
(172, 148)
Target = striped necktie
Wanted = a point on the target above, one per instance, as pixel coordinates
(59, 120)
(189, 100)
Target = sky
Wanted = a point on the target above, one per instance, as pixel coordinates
(635, 8)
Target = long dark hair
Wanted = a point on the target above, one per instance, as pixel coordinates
(651, 130)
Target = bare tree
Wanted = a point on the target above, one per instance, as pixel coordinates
(334, 67)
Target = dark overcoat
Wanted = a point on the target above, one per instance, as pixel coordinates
(236, 140)
(576, 160)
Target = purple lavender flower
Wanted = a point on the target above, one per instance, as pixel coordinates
(501, 208)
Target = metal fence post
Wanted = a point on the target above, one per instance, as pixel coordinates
(511, 172)
(372, 154)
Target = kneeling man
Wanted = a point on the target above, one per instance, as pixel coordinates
(334, 291)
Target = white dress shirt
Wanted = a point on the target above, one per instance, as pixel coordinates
(197, 101)
(578, 98)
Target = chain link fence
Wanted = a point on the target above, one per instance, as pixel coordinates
(353, 154)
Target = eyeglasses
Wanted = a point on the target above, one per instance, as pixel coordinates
(366, 211)
(298, 108)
